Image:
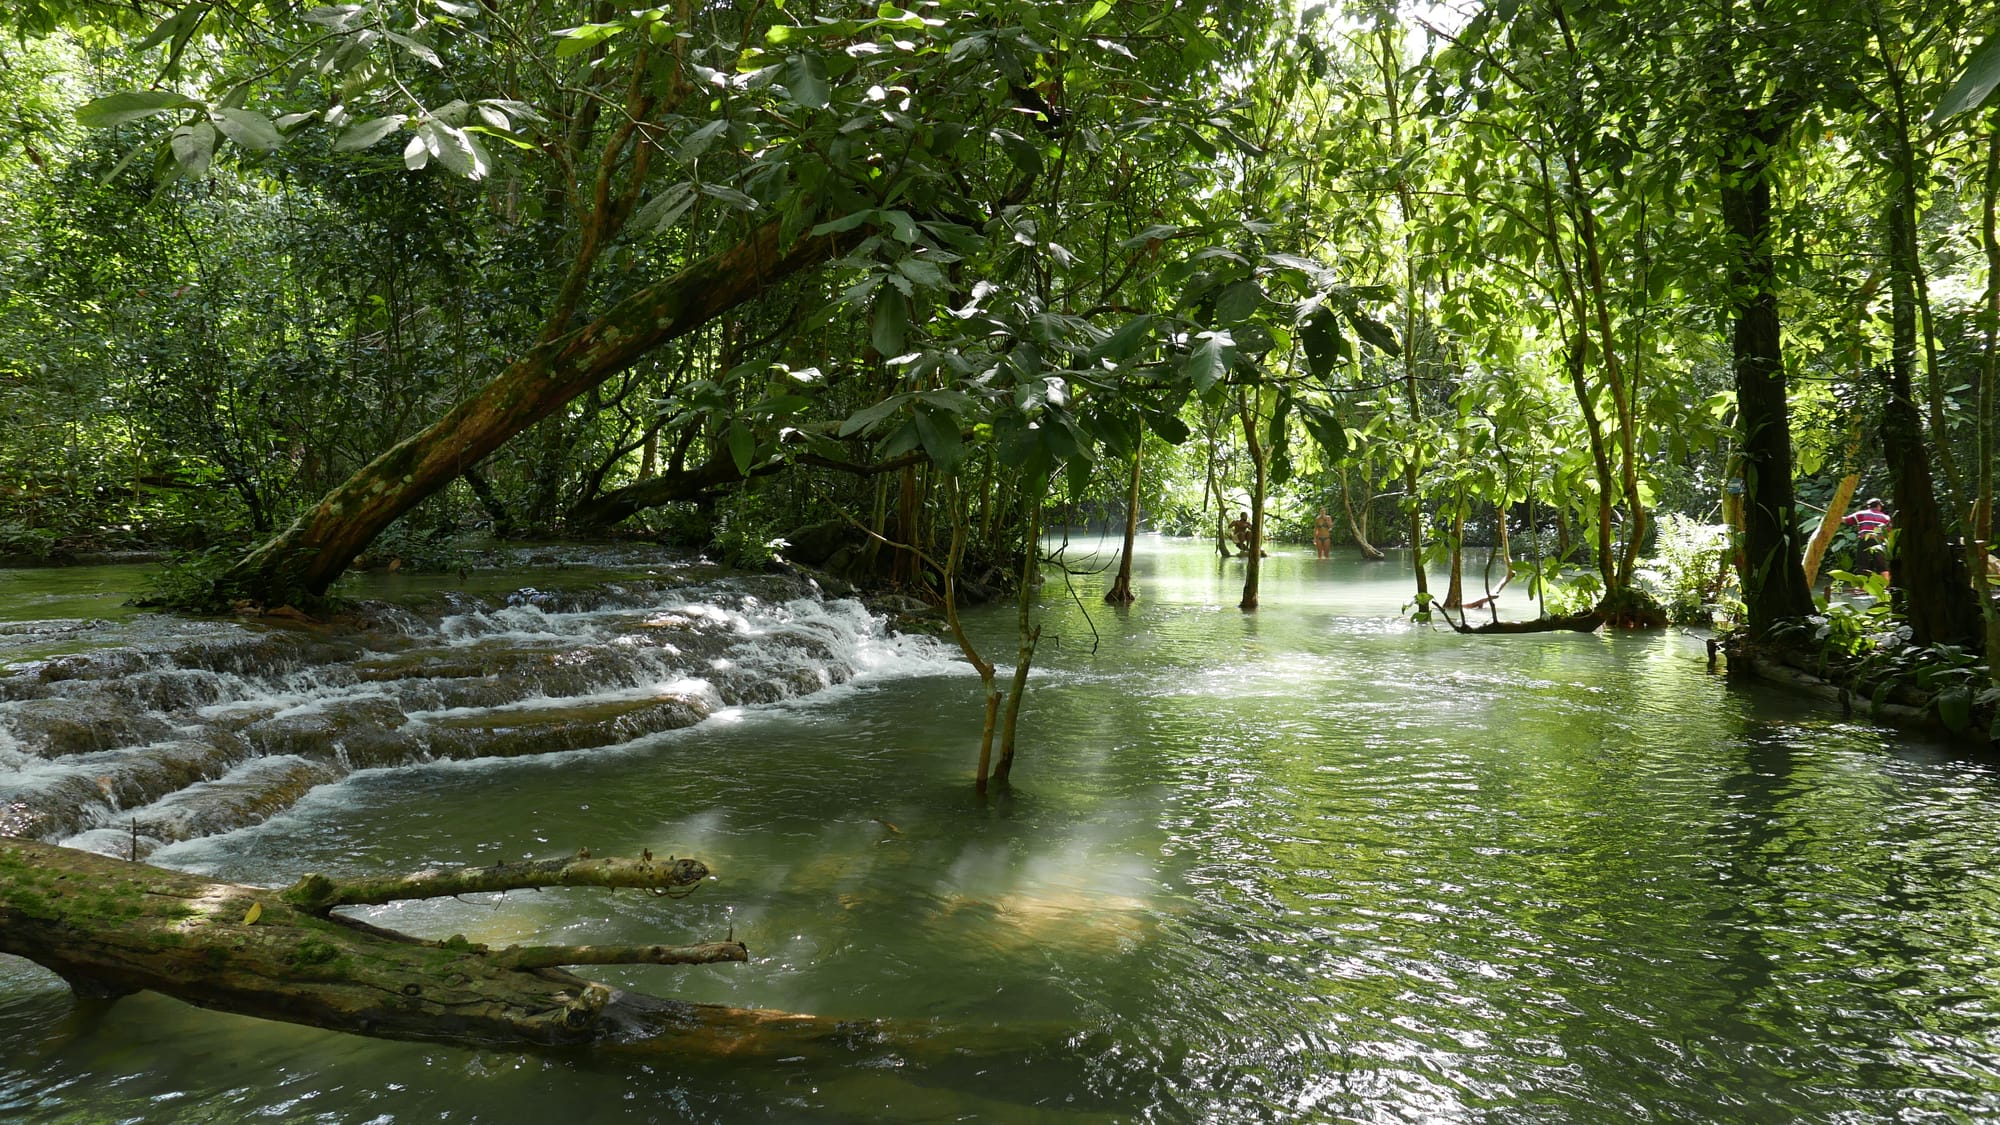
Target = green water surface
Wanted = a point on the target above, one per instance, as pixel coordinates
(1309, 864)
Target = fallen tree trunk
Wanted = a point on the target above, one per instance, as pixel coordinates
(110, 928)
(1584, 622)
(301, 562)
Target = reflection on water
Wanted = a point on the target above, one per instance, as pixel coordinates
(1316, 863)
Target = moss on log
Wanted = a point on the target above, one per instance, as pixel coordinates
(109, 928)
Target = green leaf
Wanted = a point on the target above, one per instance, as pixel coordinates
(1324, 346)
(938, 430)
(576, 40)
(699, 140)
(193, 146)
(845, 223)
(420, 50)
(1375, 332)
(246, 128)
(455, 149)
(1237, 301)
(338, 17)
(889, 322)
(901, 225)
(177, 26)
(665, 209)
(1974, 88)
(1326, 429)
(113, 110)
(866, 419)
(922, 272)
(805, 77)
(1169, 427)
(1026, 155)
(1210, 359)
(742, 446)
(902, 441)
(417, 153)
(363, 134)
(1119, 346)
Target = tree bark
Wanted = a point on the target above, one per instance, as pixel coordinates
(1253, 557)
(1121, 589)
(1358, 527)
(302, 561)
(1930, 584)
(110, 928)
(1774, 580)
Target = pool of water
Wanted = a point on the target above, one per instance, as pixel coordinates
(1312, 863)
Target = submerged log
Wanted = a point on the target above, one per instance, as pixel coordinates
(109, 928)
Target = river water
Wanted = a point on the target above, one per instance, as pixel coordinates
(1314, 863)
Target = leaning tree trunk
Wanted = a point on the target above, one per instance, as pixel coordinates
(1836, 507)
(302, 562)
(1358, 527)
(110, 928)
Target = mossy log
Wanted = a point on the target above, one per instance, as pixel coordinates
(1584, 622)
(109, 928)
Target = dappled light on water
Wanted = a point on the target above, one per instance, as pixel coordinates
(1312, 863)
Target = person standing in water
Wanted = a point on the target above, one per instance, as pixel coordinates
(1323, 534)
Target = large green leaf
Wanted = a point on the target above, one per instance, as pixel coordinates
(1975, 86)
(193, 147)
(1026, 155)
(865, 419)
(698, 141)
(1237, 301)
(1120, 345)
(1325, 347)
(1169, 426)
(363, 134)
(576, 40)
(742, 446)
(890, 321)
(129, 105)
(938, 430)
(1375, 332)
(1210, 360)
(805, 76)
(1326, 429)
(249, 129)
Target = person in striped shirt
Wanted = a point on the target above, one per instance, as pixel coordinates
(1871, 524)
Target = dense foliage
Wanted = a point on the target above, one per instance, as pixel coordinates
(1534, 275)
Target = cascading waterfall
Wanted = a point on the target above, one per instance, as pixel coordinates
(162, 731)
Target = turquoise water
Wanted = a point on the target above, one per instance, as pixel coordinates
(1310, 864)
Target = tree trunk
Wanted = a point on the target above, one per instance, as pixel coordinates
(1454, 594)
(1030, 635)
(1358, 527)
(1930, 585)
(1979, 545)
(1829, 522)
(1774, 580)
(110, 928)
(302, 561)
(1253, 556)
(1121, 589)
